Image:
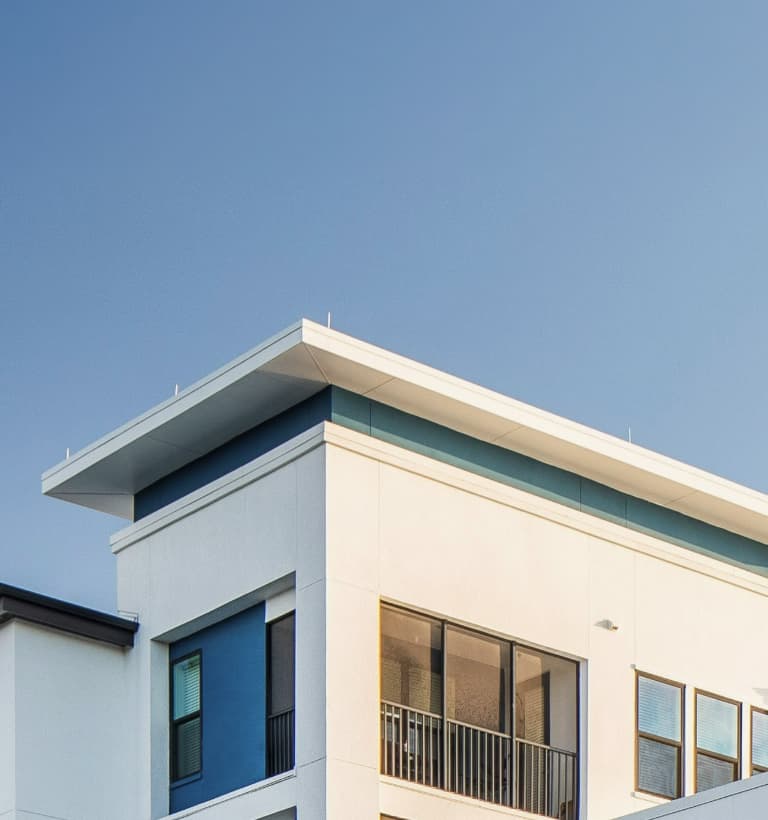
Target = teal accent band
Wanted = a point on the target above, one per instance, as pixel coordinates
(451, 447)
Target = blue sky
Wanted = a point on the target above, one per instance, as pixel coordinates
(566, 202)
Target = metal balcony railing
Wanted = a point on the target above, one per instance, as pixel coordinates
(423, 748)
(412, 745)
(479, 763)
(280, 742)
(546, 780)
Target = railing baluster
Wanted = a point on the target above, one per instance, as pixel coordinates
(393, 745)
(280, 735)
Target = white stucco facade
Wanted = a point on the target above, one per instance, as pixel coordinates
(333, 523)
(66, 709)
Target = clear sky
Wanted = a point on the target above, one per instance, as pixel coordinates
(563, 201)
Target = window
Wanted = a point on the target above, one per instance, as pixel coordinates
(281, 688)
(186, 727)
(659, 752)
(759, 740)
(412, 661)
(478, 680)
(546, 709)
(718, 740)
(478, 715)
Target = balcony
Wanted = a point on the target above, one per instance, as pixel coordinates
(423, 748)
(478, 715)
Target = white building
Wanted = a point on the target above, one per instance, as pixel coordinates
(496, 612)
(742, 800)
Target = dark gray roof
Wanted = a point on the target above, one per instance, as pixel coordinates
(51, 612)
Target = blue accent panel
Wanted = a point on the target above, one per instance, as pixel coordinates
(604, 502)
(235, 453)
(233, 704)
(471, 454)
(351, 410)
(697, 535)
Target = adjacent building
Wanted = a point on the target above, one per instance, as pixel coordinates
(361, 588)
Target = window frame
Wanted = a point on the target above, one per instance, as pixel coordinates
(268, 665)
(506, 703)
(754, 768)
(289, 760)
(715, 755)
(443, 625)
(679, 745)
(514, 645)
(175, 722)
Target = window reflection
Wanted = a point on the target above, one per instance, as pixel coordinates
(411, 660)
(478, 680)
(545, 699)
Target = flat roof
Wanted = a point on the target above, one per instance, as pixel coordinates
(306, 357)
(751, 793)
(52, 612)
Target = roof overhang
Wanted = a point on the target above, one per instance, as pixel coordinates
(22, 604)
(307, 357)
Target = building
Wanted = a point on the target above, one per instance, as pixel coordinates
(365, 588)
(741, 800)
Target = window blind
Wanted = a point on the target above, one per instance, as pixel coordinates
(186, 687)
(760, 739)
(717, 726)
(659, 711)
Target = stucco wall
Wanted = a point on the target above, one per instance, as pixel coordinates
(197, 563)
(403, 528)
(74, 739)
(7, 718)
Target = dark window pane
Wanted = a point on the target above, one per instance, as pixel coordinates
(411, 661)
(760, 739)
(187, 748)
(545, 699)
(658, 768)
(717, 725)
(659, 708)
(478, 671)
(282, 659)
(712, 772)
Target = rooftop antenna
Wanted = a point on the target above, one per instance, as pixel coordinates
(629, 434)
(67, 453)
(329, 318)
(176, 390)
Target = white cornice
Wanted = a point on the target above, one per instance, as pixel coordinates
(304, 358)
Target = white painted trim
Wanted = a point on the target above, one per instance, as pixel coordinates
(175, 406)
(280, 605)
(445, 399)
(225, 798)
(650, 798)
(216, 490)
(479, 807)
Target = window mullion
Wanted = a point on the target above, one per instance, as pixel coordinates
(444, 703)
(513, 728)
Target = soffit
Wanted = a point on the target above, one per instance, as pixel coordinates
(300, 361)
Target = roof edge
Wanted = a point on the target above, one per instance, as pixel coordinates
(424, 391)
(67, 617)
(177, 403)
